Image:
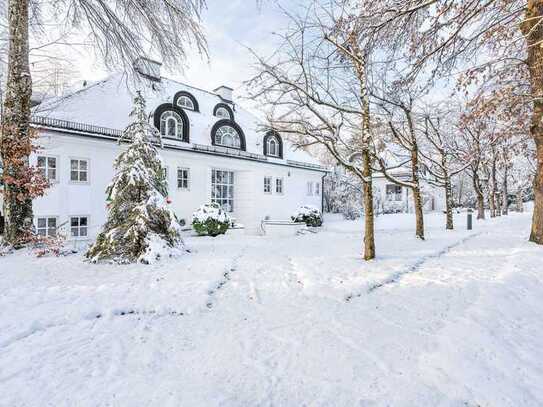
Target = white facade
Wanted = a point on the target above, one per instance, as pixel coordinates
(78, 140)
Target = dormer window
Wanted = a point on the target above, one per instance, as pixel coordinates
(227, 136)
(227, 133)
(273, 145)
(223, 111)
(185, 102)
(171, 125)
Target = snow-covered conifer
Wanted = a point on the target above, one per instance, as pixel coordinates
(140, 226)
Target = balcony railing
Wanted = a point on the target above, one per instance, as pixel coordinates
(75, 126)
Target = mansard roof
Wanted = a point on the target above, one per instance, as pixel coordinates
(108, 103)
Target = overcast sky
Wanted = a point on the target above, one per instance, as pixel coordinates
(230, 27)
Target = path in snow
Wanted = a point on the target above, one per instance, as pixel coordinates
(457, 323)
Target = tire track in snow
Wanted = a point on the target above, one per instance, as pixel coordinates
(413, 268)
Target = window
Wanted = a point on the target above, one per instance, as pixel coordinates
(48, 167)
(227, 136)
(186, 102)
(279, 185)
(183, 178)
(223, 113)
(394, 192)
(267, 185)
(309, 188)
(273, 147)
(46, 226)
(171, 125)
(222, 189)
(317, 188)
(79, 226)
(79, 170)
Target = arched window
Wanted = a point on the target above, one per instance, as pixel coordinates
(273, 145)
(171, 125)
(227, 136)
(223, 111)
(186, 102)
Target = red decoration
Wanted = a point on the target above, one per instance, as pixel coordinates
(168, 200)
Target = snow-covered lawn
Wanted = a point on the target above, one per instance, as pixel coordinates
(287, 321)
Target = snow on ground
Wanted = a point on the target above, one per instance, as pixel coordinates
(285, 321)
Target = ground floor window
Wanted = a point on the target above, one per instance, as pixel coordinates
(394, 192)
(46, 226)
(317, 188)
(79, 226)
(309, 188)
(222, 189)
(267, 185)
(279, 185)
(183, 178)
(48, 167)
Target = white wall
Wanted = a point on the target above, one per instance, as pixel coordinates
(434, 197)
(65, 199)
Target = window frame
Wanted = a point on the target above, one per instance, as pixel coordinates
(279, 181)
(230, 188)
(221, 144)
(317, 189)
(187, 179)
(79, 159)
(57, 167)
(185, 97)
(269, 141)
(47, 227)
(309, 188)
(180, 127)
(396, 195)
(268, 184)
(87, 227)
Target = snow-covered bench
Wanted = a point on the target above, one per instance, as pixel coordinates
(281, 227)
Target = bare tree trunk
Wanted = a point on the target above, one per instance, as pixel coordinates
(448, 203)
(505, 193)
(533, 32)
(417, 196)
(369, 233)
(15, 145)
(493, 190)
(480, 196)
(520, 203)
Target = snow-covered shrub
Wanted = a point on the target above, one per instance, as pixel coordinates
(210, 219)
(309, 215)
(140, 226)
(393, 206)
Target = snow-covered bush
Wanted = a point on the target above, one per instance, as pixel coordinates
(210, 219)
(309, 215)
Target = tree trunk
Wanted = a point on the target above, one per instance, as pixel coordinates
(16, 125)
(505, 192)
(417, 196)
(480, 196)
(369, 236)
(533, 32)
(520, 203)
(448, 204)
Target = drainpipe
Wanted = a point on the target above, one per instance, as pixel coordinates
(322, 192)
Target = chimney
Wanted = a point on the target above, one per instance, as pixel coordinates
(224, 92)
(148, 68)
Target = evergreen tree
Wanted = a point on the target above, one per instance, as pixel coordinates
(140, 226)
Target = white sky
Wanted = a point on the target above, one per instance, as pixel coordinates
(230, 27)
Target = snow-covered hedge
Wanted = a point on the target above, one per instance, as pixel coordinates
(210, 219)
(308, 214)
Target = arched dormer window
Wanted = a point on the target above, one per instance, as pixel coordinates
(223, 111)
(186, 100)
(227, 133)
(172, 122)
(171, 125)
(273, 145)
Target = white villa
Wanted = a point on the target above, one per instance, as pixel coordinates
(213, 151)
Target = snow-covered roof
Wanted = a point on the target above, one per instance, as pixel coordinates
(107, 104)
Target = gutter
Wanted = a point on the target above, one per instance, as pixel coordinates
(322, 192)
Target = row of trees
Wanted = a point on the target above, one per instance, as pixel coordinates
(437, 86)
